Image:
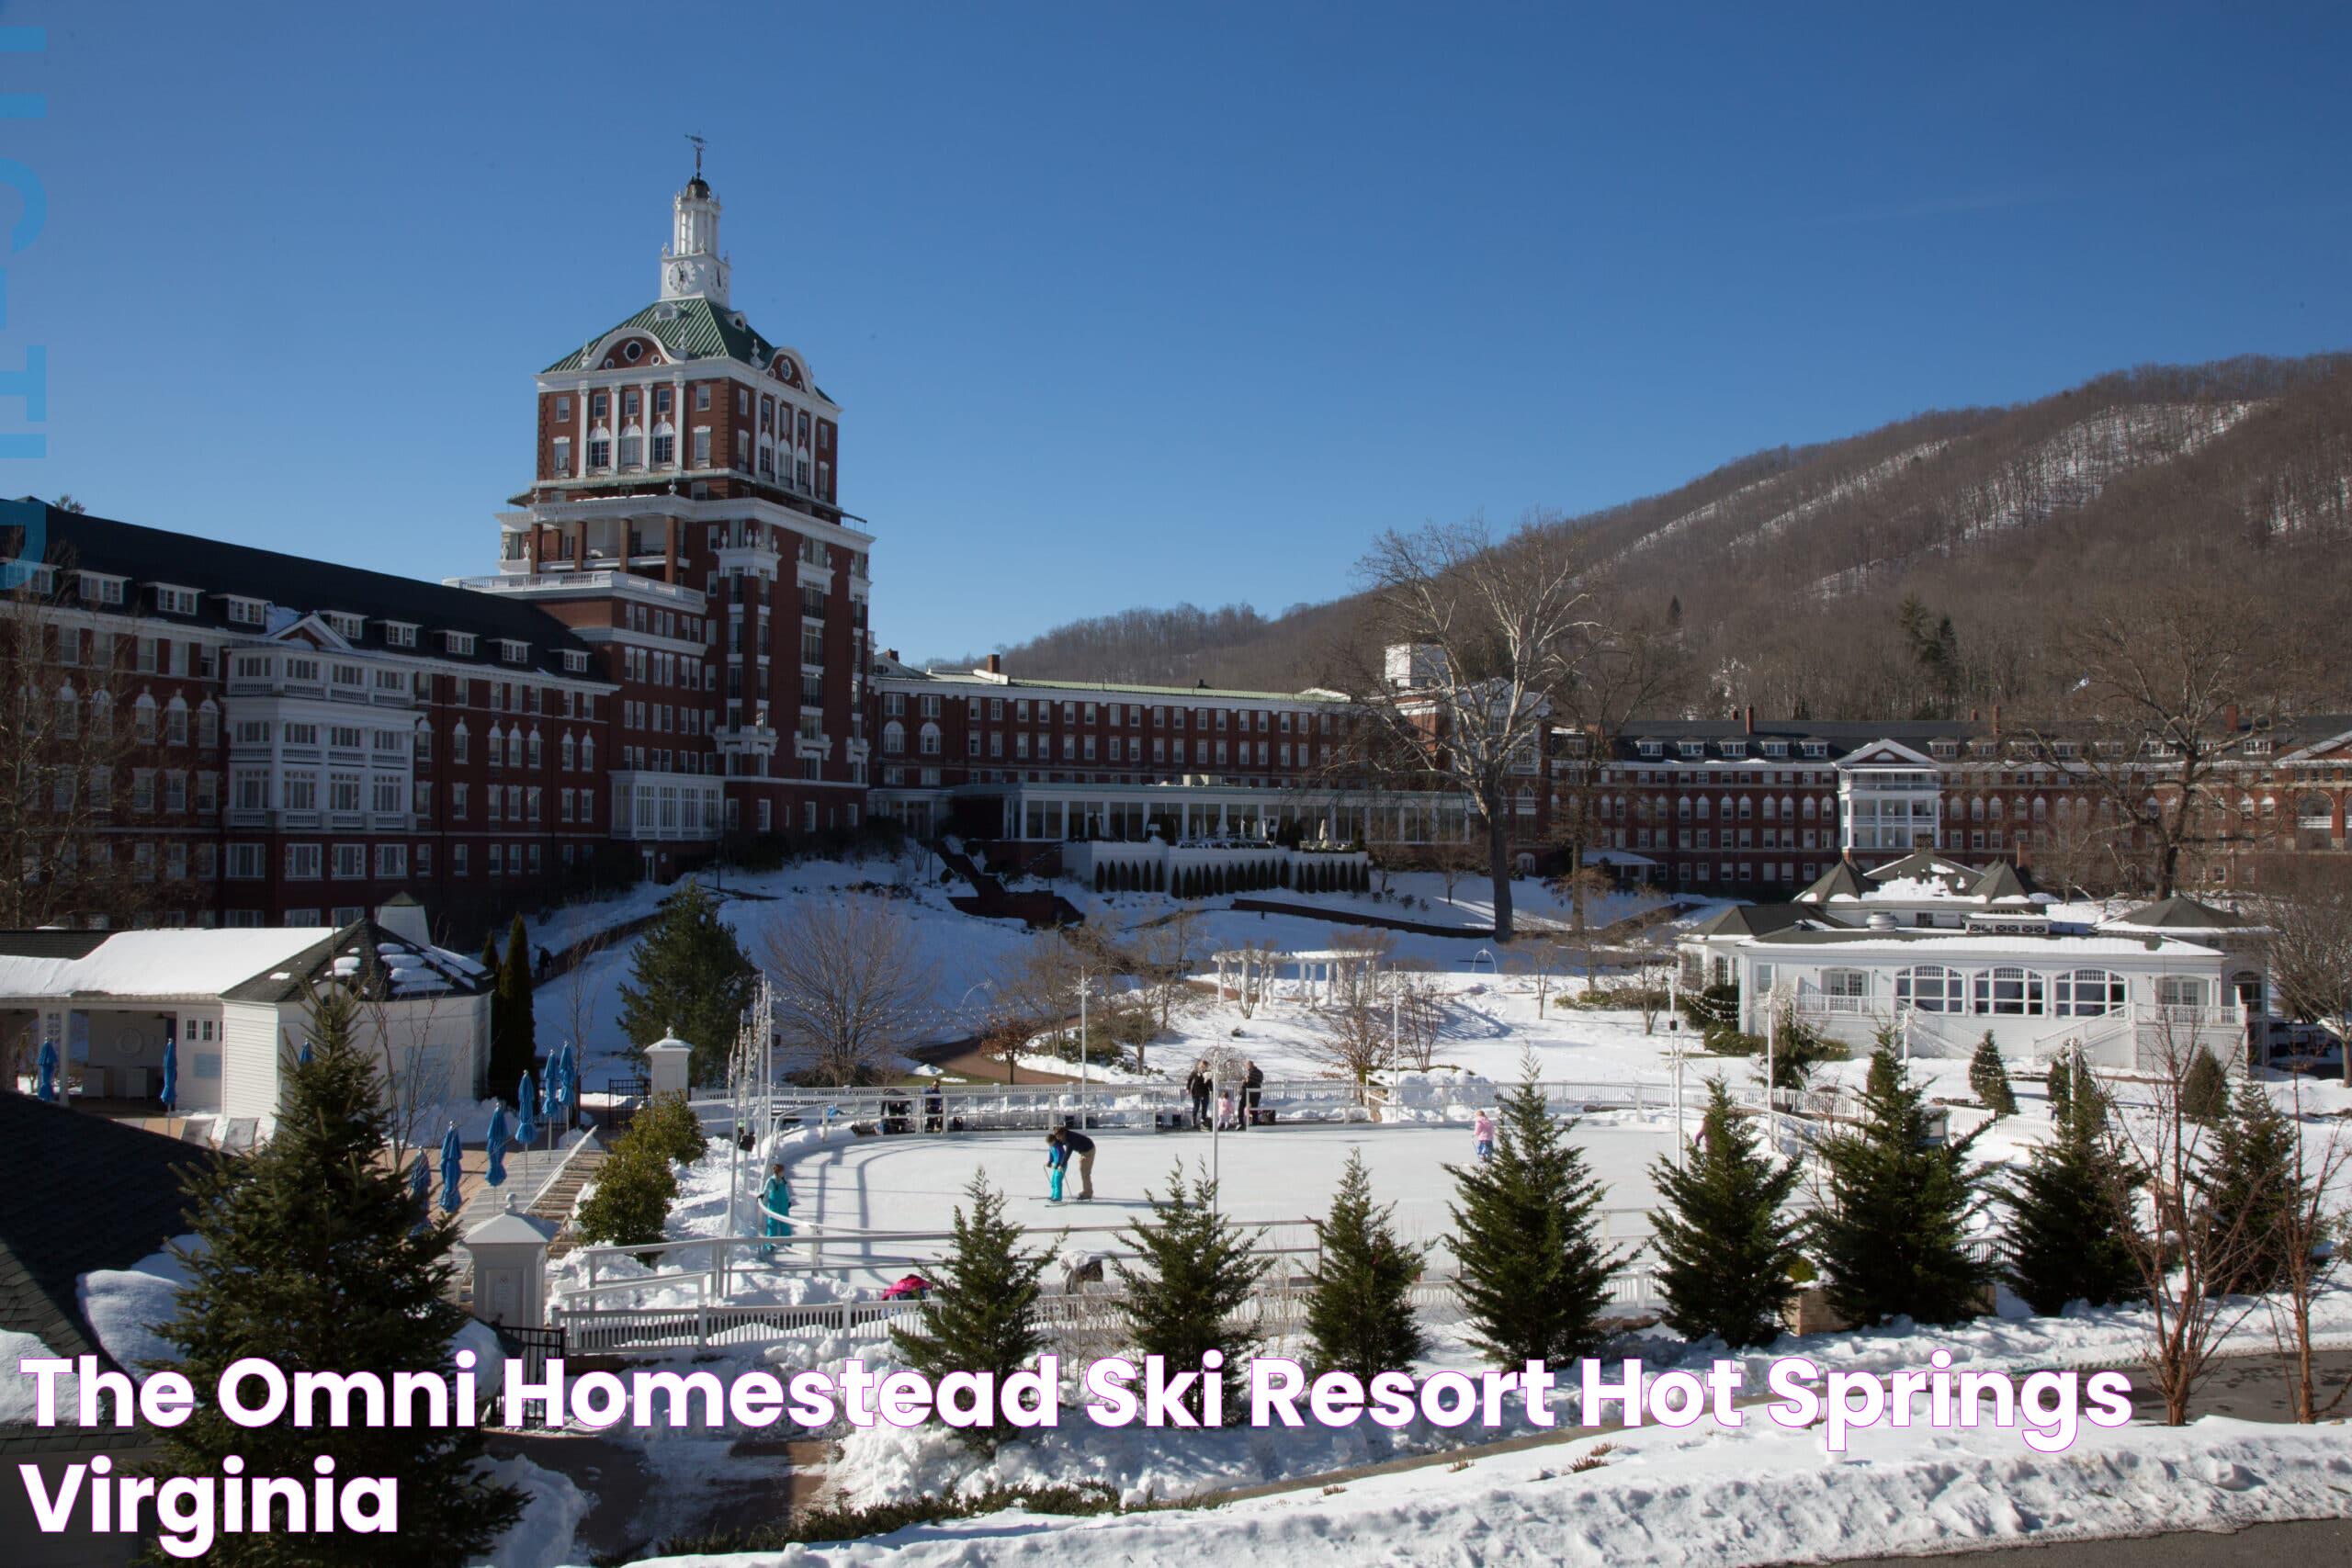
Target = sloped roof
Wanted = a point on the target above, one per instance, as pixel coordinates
(2179, 913)
(692, 328)
(1924, 865)
(160, 962)
(304, 584)
(2001, 880)
(414, 969)
(82, 1192)
(1839, 881)
(1752, 920)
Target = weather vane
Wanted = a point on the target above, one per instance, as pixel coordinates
(698, 145)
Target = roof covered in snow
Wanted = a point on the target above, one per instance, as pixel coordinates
(58, 1223)
(269, 963)
(1910, 940)
(2179, 914)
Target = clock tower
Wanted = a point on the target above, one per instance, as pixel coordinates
(691, 267)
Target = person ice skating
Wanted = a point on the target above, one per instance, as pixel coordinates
(1057, 1164)
(1253, 1080)
(1197, 1086)
(934, 1109)
(1077, 1145)
(775, 1199)
(1224, 1108)
(1482, 1133)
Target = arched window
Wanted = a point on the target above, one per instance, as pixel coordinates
(1728, 808)
(600, 448)
(1788, 808)
(588, 754)
(665, 445)
(894, 738)
(1525, 804)
(459, 742)
(1808, 808)
(1682, 808)
(207, 724)
(69, 712)
(1930, 988)
(928, 740)
(2041, 810)
(1976, 808)
(175, 722)
(1771, 809)
(534, 753)
(2008, 992)
(1746, 808)
(2087, 993)
(497, 752)
(1703, 809)
(566, 749)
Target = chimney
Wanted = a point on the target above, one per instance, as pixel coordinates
(1996, 721)
(1747, 719)
(2230, 719)
(996, 663)
(891, 654)
(1976, 716)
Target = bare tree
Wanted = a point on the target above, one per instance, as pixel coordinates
(1352, 1030)
(2312, 1230)
(1476, 636)
(2308, 909)
(2163, 677)
(71, 741)
(1453, 862)
(848, 984)
(1545, 961)
(1164, 953)
(2187, 1247)
(1419, 1018)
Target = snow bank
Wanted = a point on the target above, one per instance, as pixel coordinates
(1706, 1497)
(16, 1388)
(553, 1509)
(126, 1306)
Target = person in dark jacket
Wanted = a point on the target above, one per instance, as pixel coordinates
(1198, 1087)
(1253, 1083)
(1079, 1149)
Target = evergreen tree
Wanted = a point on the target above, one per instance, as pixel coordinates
(2205, 1090)
(316, 1256)
(1358, 1301)
(1193, 1272)
(629, 1205)
(981, 1313)
(2070, 1207)
(689, 976)
(1726, 1248)
(1533, 1276)
(514, 1041)
(2254, 1188)
(1893, 1238)
(2060, 1082)
(494, 969)
(1989, 1078)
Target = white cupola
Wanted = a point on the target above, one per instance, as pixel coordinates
(691, 264)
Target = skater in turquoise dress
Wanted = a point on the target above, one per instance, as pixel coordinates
(777, 1199)
(1057, 1164)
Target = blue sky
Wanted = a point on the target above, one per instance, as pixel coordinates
(1131, 304)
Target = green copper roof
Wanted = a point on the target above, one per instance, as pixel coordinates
(689, 329)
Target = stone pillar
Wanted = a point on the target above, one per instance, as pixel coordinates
(666, 1063)
(510, 1269)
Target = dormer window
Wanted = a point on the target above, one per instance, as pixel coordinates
(170, 601)
(101, 588)
(1651, 749)
(246, 612)
(1814, 748)
(2256, 748)
(574, 662)
(460, 643)
(347, 626)
(1776, 749)
(514, 652)
(400, 634)
(1944, 748)
(1735, 749)
(1693, 748)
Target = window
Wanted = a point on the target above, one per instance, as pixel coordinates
(2180, 991)
(176, 601)
(2088, 993)
(1930, 988)
(2008, 992)
(302, 863)
(351, 859)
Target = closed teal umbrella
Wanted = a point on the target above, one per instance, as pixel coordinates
(171, 1095)
(525, 1131)
(496, 1174)
(45, 1080)
(450, 1170)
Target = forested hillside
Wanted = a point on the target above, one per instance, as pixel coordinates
(1817, 580)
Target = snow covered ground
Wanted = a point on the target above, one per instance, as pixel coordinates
(1704, 1496)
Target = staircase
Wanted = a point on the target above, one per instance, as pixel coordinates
(562, 1195)
(989, 899)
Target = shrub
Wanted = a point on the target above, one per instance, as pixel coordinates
(631, 1200)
